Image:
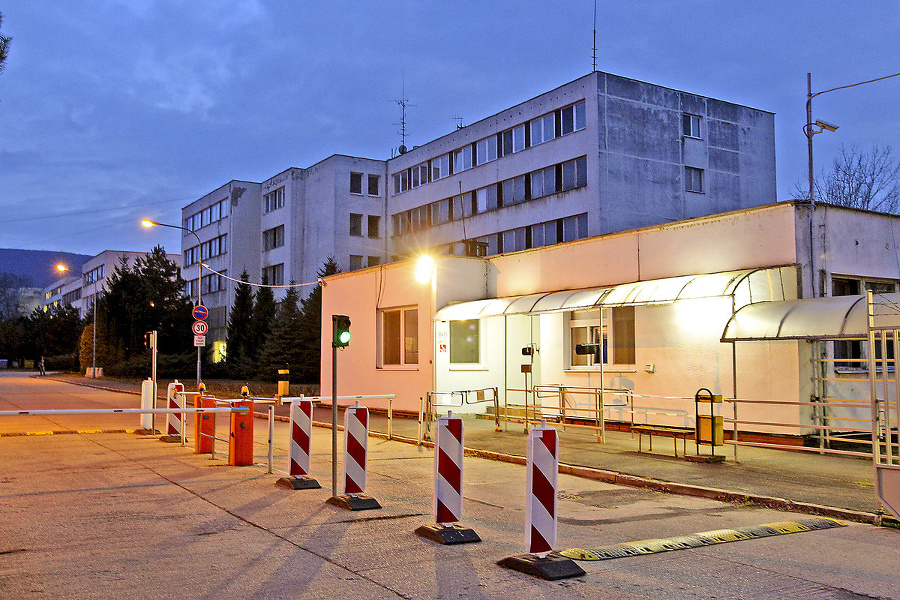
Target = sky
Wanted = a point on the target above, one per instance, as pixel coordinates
(116, 110)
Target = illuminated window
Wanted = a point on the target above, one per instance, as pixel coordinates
(465, 344)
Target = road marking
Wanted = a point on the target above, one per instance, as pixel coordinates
(82, 431)
(705, 538)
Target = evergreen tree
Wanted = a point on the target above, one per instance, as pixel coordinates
(240, 328)
(263, 314)
(282, 349)
(308, 369)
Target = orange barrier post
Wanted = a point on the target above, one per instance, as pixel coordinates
(204, 425)
(240, 450)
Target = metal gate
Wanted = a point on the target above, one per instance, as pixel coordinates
(884, 348)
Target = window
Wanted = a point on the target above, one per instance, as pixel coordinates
(94, 275)
(208, 215)
(355, 262)
(213, 283)
(693, 180)
(512, 140)
(465, 345)
(355, 225)
(851, 355)
(401, 182)
(543, 129)
(462, 159)
(609, 327)
(400, 337)
(573, 174)
(374, 261)
(273, 238)
(571, 118)
(214, 247)
(273, 275)
(543, 182)
(374, 226)
(440, 167)
(373, 185)
(191, 256)
(274, 200)
(356, 180)
(691, 125)
(486, 150)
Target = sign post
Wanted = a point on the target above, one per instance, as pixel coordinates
(199, 328)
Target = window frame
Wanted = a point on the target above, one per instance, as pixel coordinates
(356, 183)
(694, 180)
(691, 126)
(403, 351)
(478, 345)
(600, 324)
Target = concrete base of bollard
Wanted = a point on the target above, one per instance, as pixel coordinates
(298, 483)
(550, 567)
(448, 534)
(354, 502)
(171, 439)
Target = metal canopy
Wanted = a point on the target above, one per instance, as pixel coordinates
(751, 285)
(832, 317)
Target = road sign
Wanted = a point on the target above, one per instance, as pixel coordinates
(200, 328)
(200, 312)
(199, 341)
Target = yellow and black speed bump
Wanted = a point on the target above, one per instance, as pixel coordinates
(705, 538)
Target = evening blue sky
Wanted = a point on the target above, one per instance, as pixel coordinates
(114, 110)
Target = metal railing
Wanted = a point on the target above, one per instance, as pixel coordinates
(466, 397)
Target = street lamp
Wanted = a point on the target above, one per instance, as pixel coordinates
(148, 223)
(810, 128)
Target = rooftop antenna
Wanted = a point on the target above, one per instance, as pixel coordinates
(459, 122)
(403, 102)
(595, 36)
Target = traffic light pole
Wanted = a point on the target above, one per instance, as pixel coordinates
(334, 413)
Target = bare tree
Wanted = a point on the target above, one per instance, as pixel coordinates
(4, 46)
(868, 180)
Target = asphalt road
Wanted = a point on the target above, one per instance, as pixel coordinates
(118, 515)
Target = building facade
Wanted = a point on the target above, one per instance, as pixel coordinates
(675, 308)
(600, 154)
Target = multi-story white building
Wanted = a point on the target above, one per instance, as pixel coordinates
(600, 154)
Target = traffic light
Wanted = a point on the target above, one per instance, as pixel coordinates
(341, 331)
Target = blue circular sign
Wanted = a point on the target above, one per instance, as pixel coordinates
(200, 312)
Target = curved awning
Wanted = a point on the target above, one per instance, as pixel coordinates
(833, 317)
(751, 285)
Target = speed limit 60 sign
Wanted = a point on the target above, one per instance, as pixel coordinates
(200, 328)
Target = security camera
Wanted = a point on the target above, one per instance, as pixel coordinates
(826, 125)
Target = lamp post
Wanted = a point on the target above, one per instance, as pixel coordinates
(149, 223)
(809, 128)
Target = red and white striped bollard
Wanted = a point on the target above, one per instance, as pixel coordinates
(540, 511)
(448, 469)
(174, 400)
(356, 443)
(301, 436)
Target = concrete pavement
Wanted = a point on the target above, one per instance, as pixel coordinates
(124, 515)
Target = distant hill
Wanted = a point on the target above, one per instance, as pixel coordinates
(39, 266)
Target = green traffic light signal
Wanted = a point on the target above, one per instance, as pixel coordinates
(341, 333)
